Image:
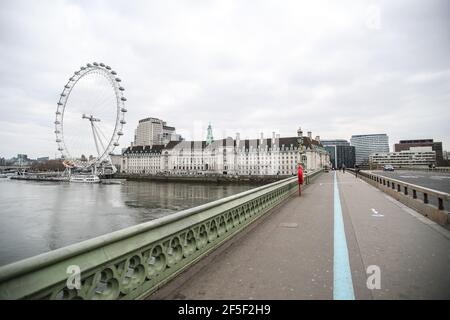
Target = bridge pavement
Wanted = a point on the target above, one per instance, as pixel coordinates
(289, 254)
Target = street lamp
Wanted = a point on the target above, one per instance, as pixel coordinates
(301, 147)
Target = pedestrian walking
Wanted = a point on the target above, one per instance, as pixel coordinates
(300, 179)
(343, 168)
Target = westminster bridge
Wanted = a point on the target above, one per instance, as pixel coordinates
(346, 237)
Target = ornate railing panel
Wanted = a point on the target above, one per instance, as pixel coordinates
(133, 262)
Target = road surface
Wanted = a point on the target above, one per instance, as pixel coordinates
(434, 180)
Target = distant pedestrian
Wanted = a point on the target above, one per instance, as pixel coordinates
(356, 171)
(343, 168)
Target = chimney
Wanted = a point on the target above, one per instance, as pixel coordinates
(238, 139)
(309, 134)
(262, 137)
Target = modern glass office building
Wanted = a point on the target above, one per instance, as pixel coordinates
(367, 144)
(335, 142)
(340, 153)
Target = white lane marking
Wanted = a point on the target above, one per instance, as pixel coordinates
(376, 214)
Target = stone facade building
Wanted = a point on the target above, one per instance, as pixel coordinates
(263, 156)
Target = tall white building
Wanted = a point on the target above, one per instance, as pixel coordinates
(263, 156)
(153, 131)
(367, 144)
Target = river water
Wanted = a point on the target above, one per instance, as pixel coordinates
(37, 217)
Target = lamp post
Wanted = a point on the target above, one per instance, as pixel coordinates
(301, 166)
(301, 147)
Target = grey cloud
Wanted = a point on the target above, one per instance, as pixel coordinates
(246, 66)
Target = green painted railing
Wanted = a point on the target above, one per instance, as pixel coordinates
(136, 261)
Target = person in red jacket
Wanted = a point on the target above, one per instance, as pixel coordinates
(300, 179)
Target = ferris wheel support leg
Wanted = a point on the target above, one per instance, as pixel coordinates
(95, 138)
(114, 169)
(97, 131)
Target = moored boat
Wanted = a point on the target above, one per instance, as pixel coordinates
(84, 178)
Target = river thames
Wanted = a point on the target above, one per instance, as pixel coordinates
(36, 217)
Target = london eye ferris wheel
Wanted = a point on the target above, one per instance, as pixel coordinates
(90, 116)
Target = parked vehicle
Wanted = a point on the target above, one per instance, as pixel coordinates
(388, 167)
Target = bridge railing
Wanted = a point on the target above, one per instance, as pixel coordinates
(429, 202)
(134, 262)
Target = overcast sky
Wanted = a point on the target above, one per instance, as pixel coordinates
(335, 68)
